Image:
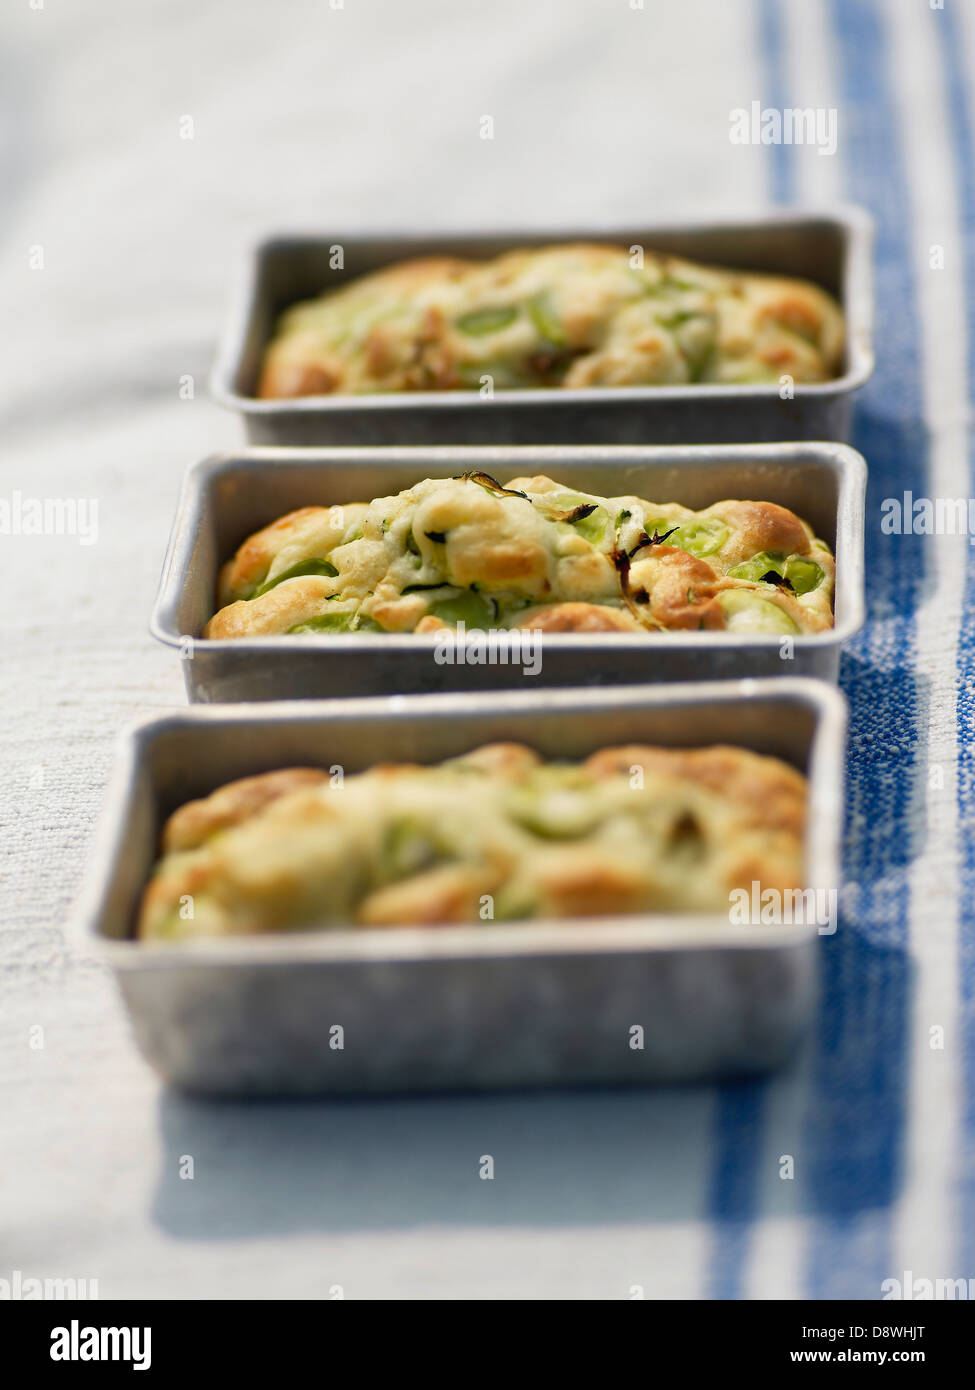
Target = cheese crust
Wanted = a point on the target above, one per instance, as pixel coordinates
(568, 316)
(495, 835)
(534, 555)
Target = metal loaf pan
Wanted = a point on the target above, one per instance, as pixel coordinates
(227, 497)
(831, 247)
(458, 1007)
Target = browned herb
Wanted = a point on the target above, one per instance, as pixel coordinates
(655, 539)
(492, 484)
(621, 561)
(576, 514)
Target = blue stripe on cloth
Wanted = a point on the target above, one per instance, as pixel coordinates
(739, 1121)
(856, 1114)
(849, 1169)
(962, 123)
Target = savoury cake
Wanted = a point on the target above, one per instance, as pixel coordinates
(498, 834)
(467, 552)
(565, 316)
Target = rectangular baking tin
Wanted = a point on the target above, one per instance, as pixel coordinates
(456, 1007)
(229, 496)
(831, 247)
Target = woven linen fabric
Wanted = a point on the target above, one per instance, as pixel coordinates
(143, 148)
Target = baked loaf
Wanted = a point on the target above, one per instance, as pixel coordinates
(495, 835)
(559, 316)
(534, 555)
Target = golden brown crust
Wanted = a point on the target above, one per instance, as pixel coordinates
(232, 804)
(284, 378)
(676, 590)
(252, 561)
(775, 796)
(436, 898)
(577, 617)
(574, 886)
(764, 526)
(273, 613)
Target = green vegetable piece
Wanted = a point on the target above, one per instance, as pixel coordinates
(804, 575)
(554, 815)
(324, 622)
(482, 321)
(759, 565)
(303, 567)
(748, 612)
(408, 847)
(700, 538)
(515, 903)
(673, 321)
(545, 319)
(469, 608)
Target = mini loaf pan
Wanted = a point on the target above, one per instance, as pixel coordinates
(543, 1003)
(228, 497)
(832, 248)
